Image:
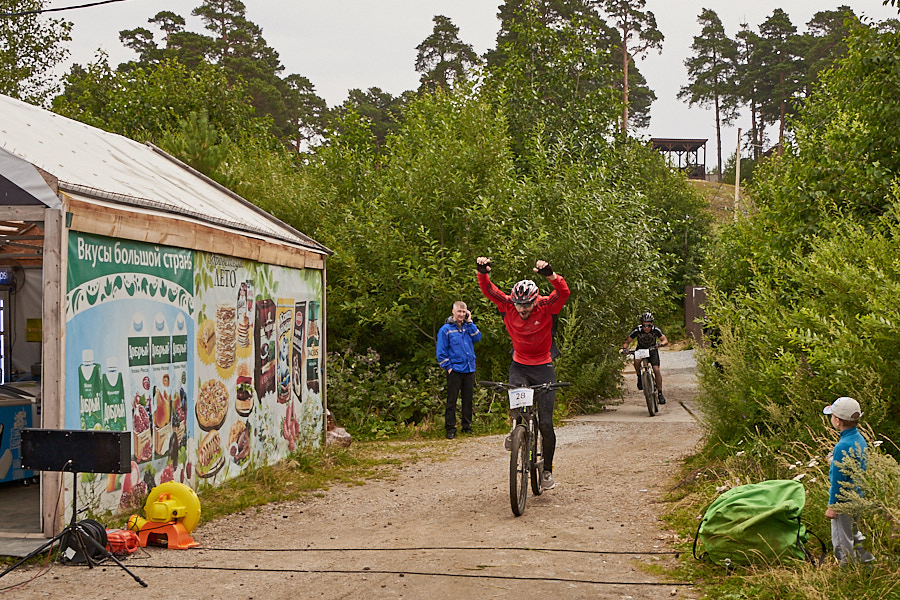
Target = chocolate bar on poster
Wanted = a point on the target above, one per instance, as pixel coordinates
(264, 338)
(299, 355)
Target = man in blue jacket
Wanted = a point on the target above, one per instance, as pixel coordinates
(456, 355)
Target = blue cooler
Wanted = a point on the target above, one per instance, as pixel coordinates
(16, 413)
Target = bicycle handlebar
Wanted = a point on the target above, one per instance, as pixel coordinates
(631, 350)
(503, 386)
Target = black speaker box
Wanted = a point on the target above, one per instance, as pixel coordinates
(90, 451)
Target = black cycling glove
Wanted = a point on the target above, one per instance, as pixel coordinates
(483, 268)
(546, 271)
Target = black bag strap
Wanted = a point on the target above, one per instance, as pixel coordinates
(818, 562)
(821, 559)
(696, 537)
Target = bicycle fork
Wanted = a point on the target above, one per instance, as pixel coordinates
(529, 424)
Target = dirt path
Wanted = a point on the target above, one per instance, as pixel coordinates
(443, 528)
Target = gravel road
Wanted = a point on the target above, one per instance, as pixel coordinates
(441, 526)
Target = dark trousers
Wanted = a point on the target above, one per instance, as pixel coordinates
(530, 375)
(456, 383)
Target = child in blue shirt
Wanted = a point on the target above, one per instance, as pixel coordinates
(845, 535)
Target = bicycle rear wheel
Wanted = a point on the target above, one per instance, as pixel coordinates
(649, 391)
(537, 459)
(518, 470)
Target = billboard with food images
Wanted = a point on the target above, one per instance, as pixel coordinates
(203, 357)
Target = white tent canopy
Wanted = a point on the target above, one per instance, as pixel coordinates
(90, 162)
(28, 187)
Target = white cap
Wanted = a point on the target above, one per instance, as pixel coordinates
(844, 408)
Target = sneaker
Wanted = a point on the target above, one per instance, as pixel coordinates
(451, 435)
(547, 482)
(469, 430)
(862, 555)
(507, 443)
(662, 399)
(640, 385)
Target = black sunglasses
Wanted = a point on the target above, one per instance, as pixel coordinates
(646, 324)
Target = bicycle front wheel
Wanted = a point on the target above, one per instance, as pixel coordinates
(647, 383)
(518, 470)
(537, 459)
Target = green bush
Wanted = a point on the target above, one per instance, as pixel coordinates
(372, 400)
(803, 291)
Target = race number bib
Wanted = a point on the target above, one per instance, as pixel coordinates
(642, 353)
(520, 397)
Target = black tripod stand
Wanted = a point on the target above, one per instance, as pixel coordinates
(76, 534)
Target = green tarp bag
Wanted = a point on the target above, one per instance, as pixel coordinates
(757, 523)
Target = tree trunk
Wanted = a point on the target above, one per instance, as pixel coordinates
(781, 119)
(718, 134)
(753, 140)
(624, 86)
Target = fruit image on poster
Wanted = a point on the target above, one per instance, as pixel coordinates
(123, 300)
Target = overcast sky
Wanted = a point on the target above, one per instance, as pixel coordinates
(345, 44)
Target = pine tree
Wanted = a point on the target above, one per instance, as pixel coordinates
(749, 84)
(555, 67)
(824, 42)
(638, 34)
(711, 71)
(442, 58)
(782, 69)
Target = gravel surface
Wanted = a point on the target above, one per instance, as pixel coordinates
(441, 526)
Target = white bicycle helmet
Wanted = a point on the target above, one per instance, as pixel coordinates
(524, 292)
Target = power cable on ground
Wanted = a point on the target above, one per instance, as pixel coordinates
(416, 548)
(404, 573)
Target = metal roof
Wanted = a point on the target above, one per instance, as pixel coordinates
(97, 164)
(677, 144)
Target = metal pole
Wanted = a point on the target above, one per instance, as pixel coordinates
(737, 174)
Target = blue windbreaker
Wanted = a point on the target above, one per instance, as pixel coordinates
(456, 346)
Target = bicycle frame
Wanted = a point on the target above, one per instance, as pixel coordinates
(648, 381)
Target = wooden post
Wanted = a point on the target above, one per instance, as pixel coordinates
(53, 344)
(737, 175)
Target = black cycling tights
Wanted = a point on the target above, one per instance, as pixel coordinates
(520, 374)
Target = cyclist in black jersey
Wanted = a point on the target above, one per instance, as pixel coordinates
(648, 335)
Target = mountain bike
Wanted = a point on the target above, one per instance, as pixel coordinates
(648, 379)
(525, 459)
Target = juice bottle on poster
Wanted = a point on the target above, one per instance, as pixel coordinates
(284, 328)
(139, 388)
(178, 388)
(160, 377)
(89, 393)
(113, 394)
(312, 348)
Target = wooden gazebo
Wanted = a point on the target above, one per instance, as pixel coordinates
(684, 154)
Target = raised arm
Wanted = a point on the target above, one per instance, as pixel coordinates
(488, 289)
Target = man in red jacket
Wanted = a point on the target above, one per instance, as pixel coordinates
(528, 318)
